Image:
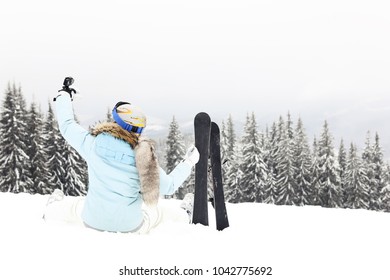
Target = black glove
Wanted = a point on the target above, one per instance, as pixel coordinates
(66, 87)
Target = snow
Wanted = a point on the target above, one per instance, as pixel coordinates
(297, 242)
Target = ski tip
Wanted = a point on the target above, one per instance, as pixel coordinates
(214, 127)
(202, 116)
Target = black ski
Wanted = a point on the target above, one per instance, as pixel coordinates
(207, 141)
(219, 198)
(202, 126)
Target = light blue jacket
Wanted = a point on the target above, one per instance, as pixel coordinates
(113, 201)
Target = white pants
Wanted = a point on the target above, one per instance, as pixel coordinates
(68, 210)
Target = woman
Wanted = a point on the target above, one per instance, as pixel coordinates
(125, 180)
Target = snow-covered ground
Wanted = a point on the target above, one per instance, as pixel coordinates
(296, 242)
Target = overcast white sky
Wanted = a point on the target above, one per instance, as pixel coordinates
(317, 59)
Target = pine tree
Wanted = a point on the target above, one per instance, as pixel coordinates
(285, 181)
(368, 160)
(175, 152)
(37, 151)
(175, 146)
(109, 117)
(228, 158)
(75, 168)
(329, 171)
(342, 159)
(228, 139)
(379, 176)
(233, 185)
(224, 151)
(302, 163)
(15, 164)
(253, 166)
(270, 155)
(385, 192)
(68, 170)
(21, 115)
(356, 187)
(54, 149)
(315, 176)
(75, 180)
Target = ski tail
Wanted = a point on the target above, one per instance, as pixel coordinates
(202, 126)
(222, 220)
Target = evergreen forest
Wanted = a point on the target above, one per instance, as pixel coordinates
(277, 166)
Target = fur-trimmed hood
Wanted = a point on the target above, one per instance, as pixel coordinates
(115, 130)
(145, 159)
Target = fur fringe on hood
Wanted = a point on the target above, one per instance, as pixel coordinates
(118, 132)
(145, 159)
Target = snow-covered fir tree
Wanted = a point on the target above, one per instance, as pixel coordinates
(66, 167)
(224, 146)
(228, 139)
(37, 151)
(253, 166)
(75, 169)
(286, 188)
(342, 159)
(329, 171)
(21, 114)
(233, 187)
(368, 161)
(55, 146)
(302, 163)
(175, 151)
(315, 175)
(379, 176)
(270, 156)
(385, 192)
(109, 117)
(228, 158)
(75, 181)
(15, 164)
(356, 182)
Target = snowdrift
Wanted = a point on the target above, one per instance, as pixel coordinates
(293, 242)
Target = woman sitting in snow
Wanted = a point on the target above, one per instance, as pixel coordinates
(125, 180)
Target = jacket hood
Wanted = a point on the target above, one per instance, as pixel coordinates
(117, 131)
(145, 159)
